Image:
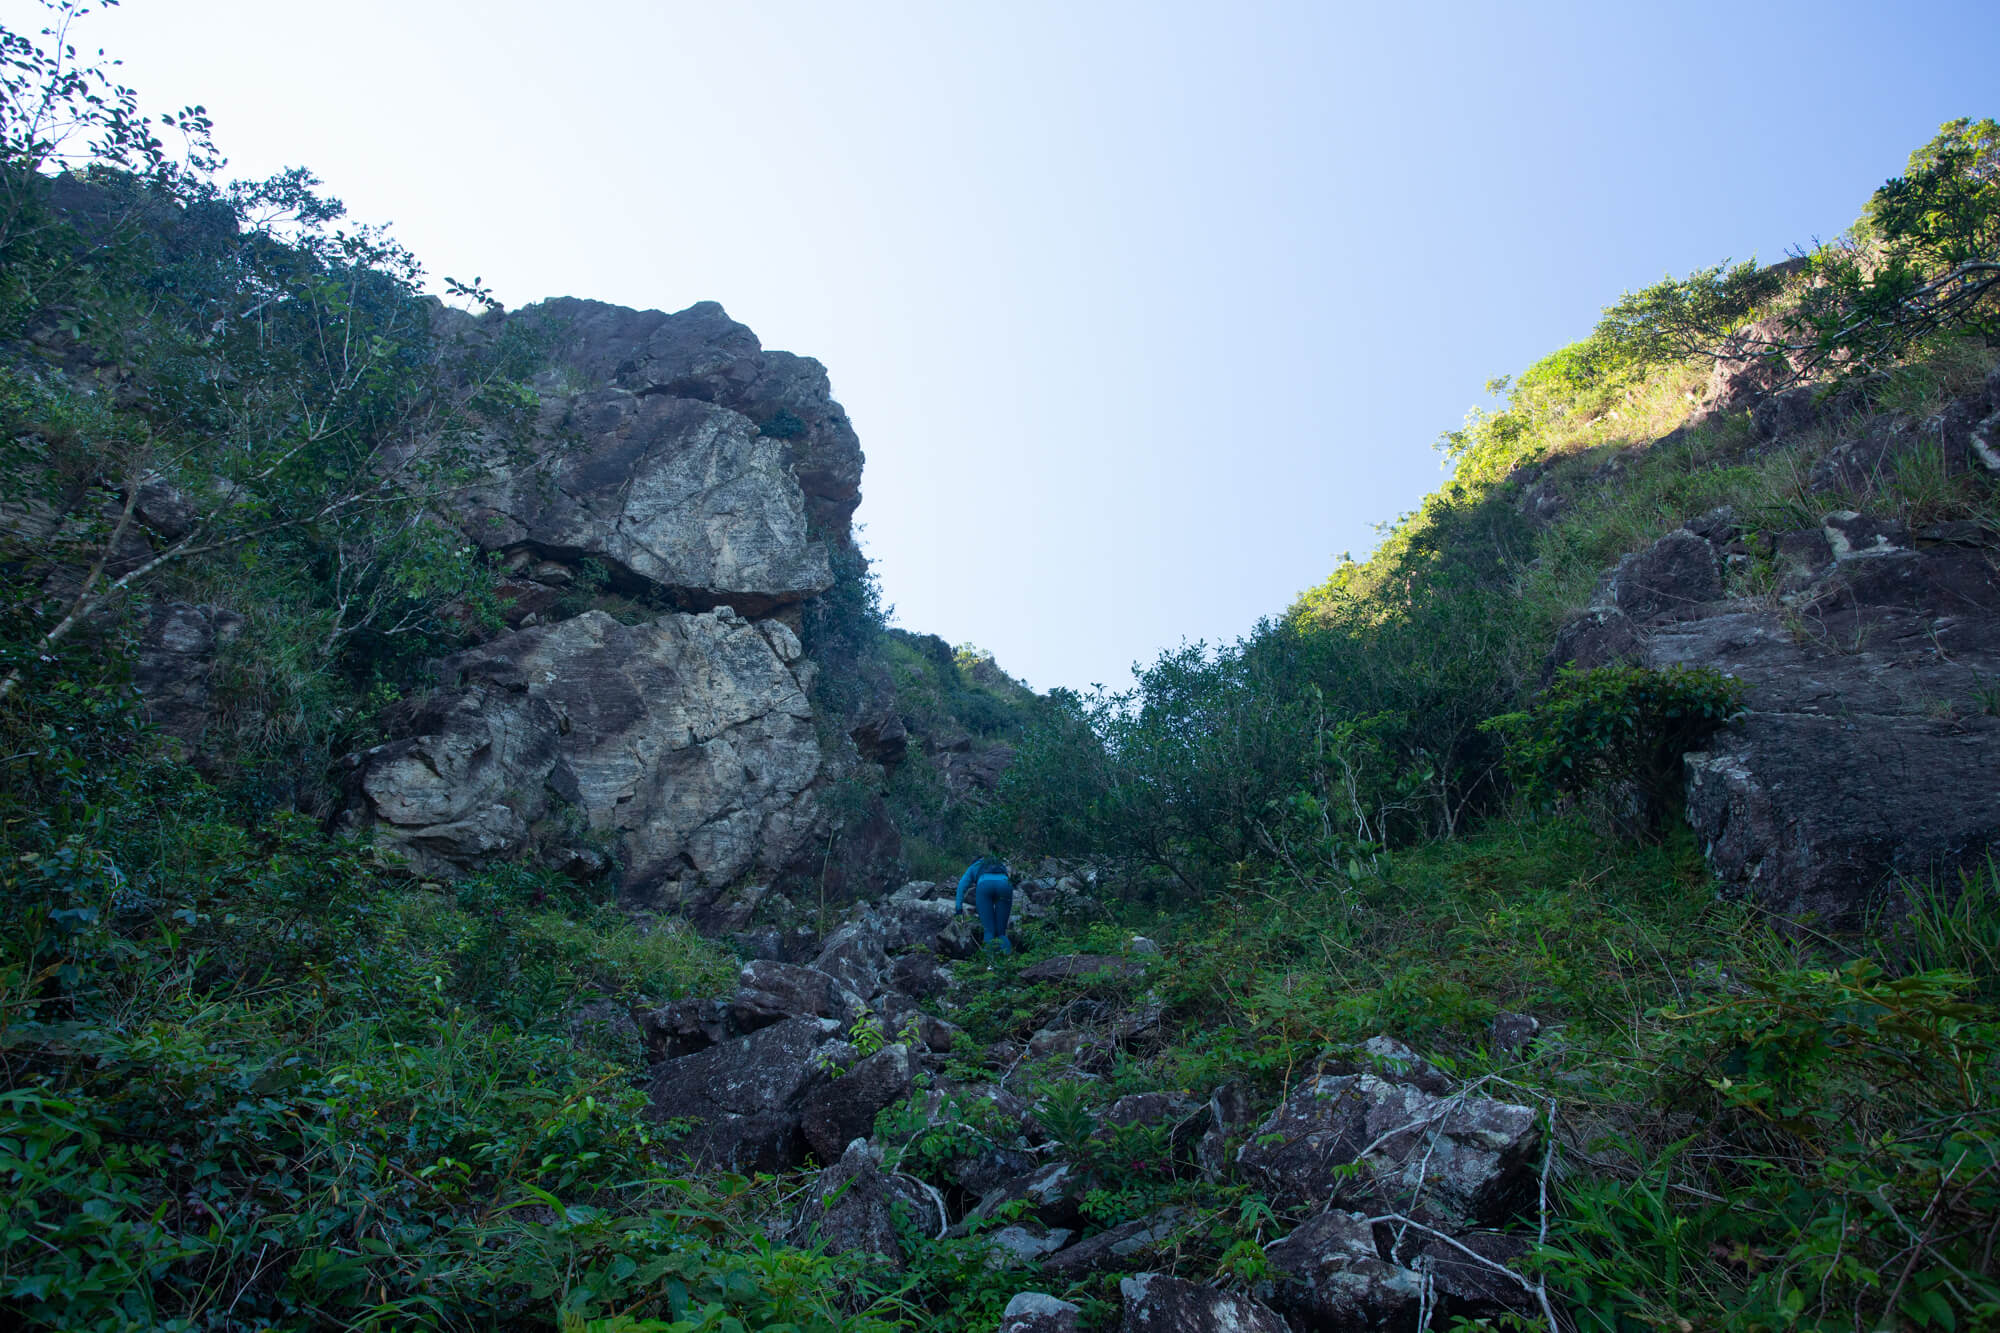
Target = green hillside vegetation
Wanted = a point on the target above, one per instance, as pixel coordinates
(254, 1074)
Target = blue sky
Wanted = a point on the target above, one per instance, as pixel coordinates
(1145, 312)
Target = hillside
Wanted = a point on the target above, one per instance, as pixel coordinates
(477, 857)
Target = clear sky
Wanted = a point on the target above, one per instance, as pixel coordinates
(1145, 311)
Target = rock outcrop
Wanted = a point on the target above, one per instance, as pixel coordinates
(1871, 732)
(687, 742)
(680, 456)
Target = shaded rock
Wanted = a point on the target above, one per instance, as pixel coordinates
(908, 924)
(1785, 414)
(1671, 577)
(1718, 526)
(1083, 1052)
(855, 956)
(920, 975)
(853, 1206)
(174, 662)
(467, 787)
(1399, 1064)
(1053, 1192)
(959, 938)
(745, 1095)
(1334, 1278)
(1035, 1312)
(899, 1013)
(1122, 1246)
(839, 1110)
(1467, 1160)
(1230, 1111)
(1472, 1290)
(686, 1026)
(1156, 1303)
(879, 734)
(1511, 1034)
(1853, 536)
(769, 991)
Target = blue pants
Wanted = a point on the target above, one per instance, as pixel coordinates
(994, 901)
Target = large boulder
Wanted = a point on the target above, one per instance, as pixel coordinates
(745, 1096)
(688, 740)
(1461, 1160)
(1157, 1303)
(843, 1107)
(1333, 1277)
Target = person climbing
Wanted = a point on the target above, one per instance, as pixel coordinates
(993, 895)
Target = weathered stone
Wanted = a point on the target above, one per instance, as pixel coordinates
(921, 975)
(1124, 1246)
(769, 991)
(1473, 1290)
(1025, 1246)
(686, 1026)
(1051, 1190)
(1853, 536)
(1156, 1303)
(1467, 1160)
(1786, 414)
(855, 956)
(1036, 1312)
(687, 739)
(1335, 1279)
(469, 784)
(1672, 577)
(1229, 1114)
(853, 1206)
(839, 1110)
(745, 1094)
(1399, 1064)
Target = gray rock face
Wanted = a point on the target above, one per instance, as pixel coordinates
(688, 459)
(1156, 1303)
(1036, 1312)
(1865, 751)
(682, 495)
(1334, 1278)
(688, 740)
(1465, 1160)
(1672, 577)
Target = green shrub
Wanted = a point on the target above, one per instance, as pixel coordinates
(1617, 724)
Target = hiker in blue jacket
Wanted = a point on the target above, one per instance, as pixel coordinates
(993, 895)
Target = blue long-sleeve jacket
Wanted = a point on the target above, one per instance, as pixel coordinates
(973, 874)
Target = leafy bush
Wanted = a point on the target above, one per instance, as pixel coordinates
(1617, 724)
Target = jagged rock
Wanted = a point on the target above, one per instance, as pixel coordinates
(1784, 414)
(958, 939)
(991, 1168)
(745, 1094)
(1399, 1064)
(769, 991)
(1036, 1312)
(1052, 1192)
(1182, 1117)
(1674, 575)
(1854, 536)
(1156, 1303)
(688, 739)
(1082, 1052)
(1464, 1159)
(1229, 1114)
(468, 785)
(1335, 1279)
(174, 662)
(921, 975)
(697, 463)
(855, 955)
(879, 734)
(913, 924)
(839, 1110)
(853, 1206)
(899, 1013)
